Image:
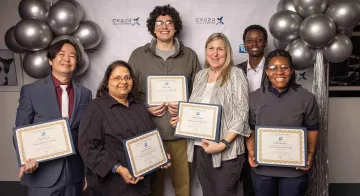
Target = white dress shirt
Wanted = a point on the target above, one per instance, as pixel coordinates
(254, 76)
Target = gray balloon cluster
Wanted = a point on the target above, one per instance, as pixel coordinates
(43, 25)
(301, 26)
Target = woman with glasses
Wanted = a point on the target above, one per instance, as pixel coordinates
(112, 117)
(282, 103)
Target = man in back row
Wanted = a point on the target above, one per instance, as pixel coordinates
(255, 42)
(166, 55)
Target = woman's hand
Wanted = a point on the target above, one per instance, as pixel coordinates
(211, 147)
(30, 166)
(168, 164)
(309, 162)
(125, 174)
(174, 121)
(251, 158)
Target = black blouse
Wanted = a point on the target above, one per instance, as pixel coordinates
(105, 124)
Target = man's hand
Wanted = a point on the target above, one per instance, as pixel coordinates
(251, 158)
(173, 109)
(29, 167)
(158, 110)
(211, 147)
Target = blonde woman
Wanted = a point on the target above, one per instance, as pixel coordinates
(218, 165)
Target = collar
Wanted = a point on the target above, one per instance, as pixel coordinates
(276, 92)
(57, 82)
(259, 67)
(152, 46)
(111, 101)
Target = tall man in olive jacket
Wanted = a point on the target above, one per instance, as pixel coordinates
(166, 55)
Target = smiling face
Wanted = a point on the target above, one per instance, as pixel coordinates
(64, 62)
(216, 54)
(279, 72)
(255, 43)
(120, 82)
(164, 29)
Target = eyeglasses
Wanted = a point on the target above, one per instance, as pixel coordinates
(274, 68)
(120, 79)
(167, 23)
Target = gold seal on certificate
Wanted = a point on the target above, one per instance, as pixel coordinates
(164, 88)
(281, 146)
(198, 121)
(43, 141)
(145, 153)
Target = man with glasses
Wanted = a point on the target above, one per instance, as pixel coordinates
(166, 55)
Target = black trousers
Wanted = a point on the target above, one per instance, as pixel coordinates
(221, 181)
(245, 177)
(279, 186)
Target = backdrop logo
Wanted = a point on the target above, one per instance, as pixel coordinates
(126, 21)
(302, 76)
(210, 20)
(242, 49)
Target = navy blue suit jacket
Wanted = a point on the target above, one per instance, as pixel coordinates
(38, 103)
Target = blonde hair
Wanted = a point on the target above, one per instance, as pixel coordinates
(229, 62)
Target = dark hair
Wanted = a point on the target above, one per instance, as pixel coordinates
(163, 11)
(276, 53)
(103, 87)
(255, 27)
(55, 48)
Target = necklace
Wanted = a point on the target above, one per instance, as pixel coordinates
(214, 70)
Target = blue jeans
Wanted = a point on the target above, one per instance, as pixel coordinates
(279, 186)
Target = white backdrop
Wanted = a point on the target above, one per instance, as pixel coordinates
(121, 33)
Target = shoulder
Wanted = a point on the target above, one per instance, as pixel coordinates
(257, 94)
(202, 72)
(141, 49)
(188, 50)
(305, 93)
(236, 72)
(242, 65)
(37, 84)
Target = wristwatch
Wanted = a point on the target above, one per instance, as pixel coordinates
(227, 144)
(113, 170)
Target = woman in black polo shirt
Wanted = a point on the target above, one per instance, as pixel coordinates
(110, 118)
(282, 103)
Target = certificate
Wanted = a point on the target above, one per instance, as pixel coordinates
(199, 121)
(43, 141)
(281, 146)
(145, 153)
(164, 88)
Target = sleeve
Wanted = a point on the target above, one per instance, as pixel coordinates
(25, 112)
(240, 105)
(92, 148)
(312, 114)
(252, 113)
(196, 69)
(134, 58)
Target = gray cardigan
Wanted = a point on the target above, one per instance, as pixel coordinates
(233, 96)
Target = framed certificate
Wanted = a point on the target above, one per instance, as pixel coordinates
(166, 88)
(199, 121)
(145, 153)
(43, 141)
(281, 146)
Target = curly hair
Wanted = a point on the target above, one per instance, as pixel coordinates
(283, 53)
(163, 11)
(255, 27)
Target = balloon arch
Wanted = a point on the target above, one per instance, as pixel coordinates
(315, 33)
(44, 24)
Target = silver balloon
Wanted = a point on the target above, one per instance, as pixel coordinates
(285, 25)
(36, 9)
(84, 63)
(11, 43)
(280, 44)
(33, 34)
(36, 64)
(306, 8)
(317, 30)
(80, 10)
(89, 34)
(345, 14)
(302, 55)
(286, 5)
(339, 49)
(63, 18)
